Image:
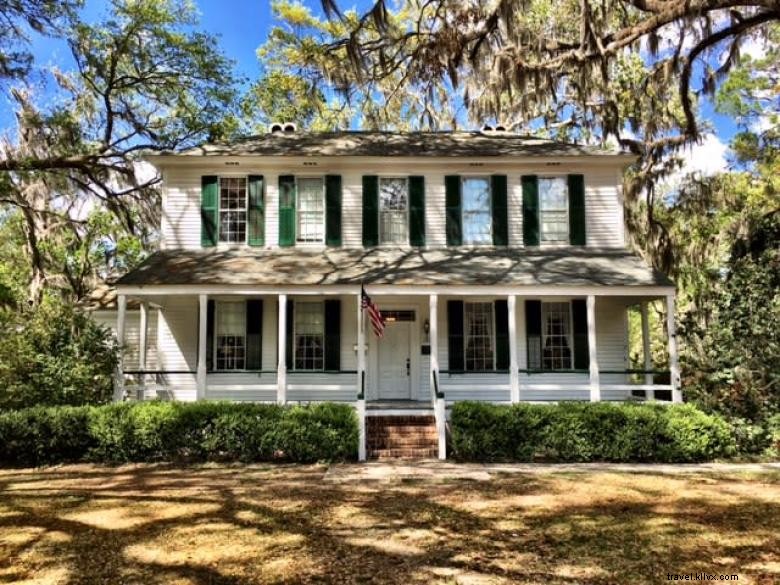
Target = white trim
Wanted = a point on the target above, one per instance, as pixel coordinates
(514, 375)
(119, 384)
(433, 339)
(594, 379)
(202, 345)
(281, 364)
(674, 363)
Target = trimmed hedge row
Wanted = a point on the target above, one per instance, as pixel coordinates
(201, 431)
(588, 432)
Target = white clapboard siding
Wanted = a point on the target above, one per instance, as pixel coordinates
(132, 349)
(178, 344)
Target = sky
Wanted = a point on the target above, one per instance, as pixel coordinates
(243, 25)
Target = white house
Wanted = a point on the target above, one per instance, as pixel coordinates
(499, 262)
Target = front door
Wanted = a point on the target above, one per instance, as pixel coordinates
(395, 369)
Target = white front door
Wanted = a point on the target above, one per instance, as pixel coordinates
(395, 368)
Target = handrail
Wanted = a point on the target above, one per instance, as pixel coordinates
(329, 372)
(458, 372)
(156, 372)
(362, 394)
(436, 392)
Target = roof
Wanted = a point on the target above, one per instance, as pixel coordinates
(358, 143)
(446, 266)
(103, 298)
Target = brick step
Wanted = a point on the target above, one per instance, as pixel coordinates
(402, 442)
(406, 431)
(419, 420)
(406, 453)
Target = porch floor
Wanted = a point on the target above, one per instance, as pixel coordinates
(384, 405)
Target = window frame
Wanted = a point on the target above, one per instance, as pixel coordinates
(492, 337)
(296, 305)
(298, 241)
(569, 335)
(215, 350)
(220, 241)
(540, 213)
(405, 179)
(489, 183)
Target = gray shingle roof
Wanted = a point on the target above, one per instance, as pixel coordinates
(449, 266)
(354, 143)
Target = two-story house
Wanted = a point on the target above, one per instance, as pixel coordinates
(499, 263)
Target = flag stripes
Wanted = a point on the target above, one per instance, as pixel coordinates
(374, 314)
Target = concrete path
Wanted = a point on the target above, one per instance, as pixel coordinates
(393, 471)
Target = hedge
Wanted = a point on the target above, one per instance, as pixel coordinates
(587, 432)
(164, 431)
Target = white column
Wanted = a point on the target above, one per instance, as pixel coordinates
(361, 368)
(142, 343)
(361, 413)
(595, 383)
(514, 375)
(200, 375)
(646, 348)
(674, 363)
(281, 364)
(119, 382)
(433, 335)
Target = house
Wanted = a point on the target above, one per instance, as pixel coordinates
(498, 261)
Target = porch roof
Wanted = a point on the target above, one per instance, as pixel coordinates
(344, 266)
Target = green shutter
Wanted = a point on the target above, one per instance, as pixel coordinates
(455, 335)
(417, 211)
(453, 205)
(210, 336)
(370, 210)
(286, 210)
(533, 334)
(333, 335)
(530, 210)
(256, 222)
(501, 314)
(333, 210)
(288, 326)
(254, 334)
(209, 199)
(500, 211)
(579, 318)
(577, 210)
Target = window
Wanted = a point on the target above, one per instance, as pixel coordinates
(232, 209)
(311, 210)
(393, 211)
(231, 336)
(477, 216)
(554, 209)
(309, 336)
(478, 321)
(556, 336)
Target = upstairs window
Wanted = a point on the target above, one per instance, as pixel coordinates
(309, 336)
(554, 209)
(556, 336)
(478, 328)
(311, 210)
(230, 348)
(477, 213)
(232, 209)
(393, 211)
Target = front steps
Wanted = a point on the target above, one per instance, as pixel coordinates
(408, 436)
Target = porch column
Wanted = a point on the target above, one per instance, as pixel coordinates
(595, 383)
(514, 375)
(119, 382)
(142, 343)
(646, 349)
(433, 334)
(203, 316)
(361, 369)
(674, 364)
(281, 364)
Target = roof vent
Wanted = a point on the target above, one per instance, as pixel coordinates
(290, 128)
(275, 128)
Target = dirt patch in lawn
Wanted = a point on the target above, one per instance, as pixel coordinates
(283, 524)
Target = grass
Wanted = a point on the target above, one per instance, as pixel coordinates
(222, 524)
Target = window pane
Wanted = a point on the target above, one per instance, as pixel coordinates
(311, 210)
(554, 209)
(393, 211)
(231, 336)
(479, 336)
(309, 336)
(232, 209)
(556, 334)
(477, 217)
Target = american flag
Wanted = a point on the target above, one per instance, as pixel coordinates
(374, 315)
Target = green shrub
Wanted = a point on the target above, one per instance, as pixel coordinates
(588, 432)
(40, 435)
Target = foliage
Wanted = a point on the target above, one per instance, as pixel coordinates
(154, 431)
(588, 432)
(54, 356)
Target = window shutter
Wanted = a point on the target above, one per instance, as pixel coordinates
(579, 318)
(370, 210)
(501, 313)
(209, 200)
(455, 335)
(210, 336)
(333, 210)
(256, 227)
(576, 210)
(530, 210)
(417, 211)
(533, 333)
(287, 210)
(500, 216)
(288, 351)
(453, 204)
(333, 335)
(254, 334)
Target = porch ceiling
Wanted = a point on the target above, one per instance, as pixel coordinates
(343, 266)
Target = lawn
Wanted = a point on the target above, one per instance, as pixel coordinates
(287, 524)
